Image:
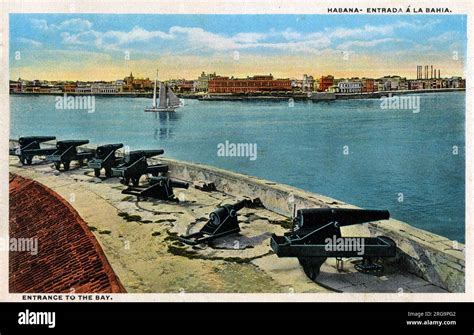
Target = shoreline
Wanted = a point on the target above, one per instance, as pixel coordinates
(315, 96)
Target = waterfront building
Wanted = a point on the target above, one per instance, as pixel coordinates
(325, 82)
(185, 86)
(105, 88)
(415, 84)
(16, 86)
(332, 89)
(202, 83)
(307, 84)
(69, 87)
(255, 84)
(83, 88)
(456, 82)
(349, 86)
(392, 83)
(137, 84)
(368, 85)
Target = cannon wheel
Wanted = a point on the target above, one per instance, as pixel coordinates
(311, 266)
(108, 173)
(66, 165)
(135, 181)
(57, 165)
(97, 172)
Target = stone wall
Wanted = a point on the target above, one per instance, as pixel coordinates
(432, 257)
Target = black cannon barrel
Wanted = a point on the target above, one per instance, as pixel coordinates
(105, 149)
(28, 139)
(225, 211)
(68, 143)
(178, 183)
(241, 204)
(147, 153)
(343, 216)
(172, 182)
(135, 155)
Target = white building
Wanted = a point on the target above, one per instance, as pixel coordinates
(83, 89)
(105, 88)
(349, 86)
(307, 85)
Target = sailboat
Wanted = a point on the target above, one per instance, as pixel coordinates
(167, 100)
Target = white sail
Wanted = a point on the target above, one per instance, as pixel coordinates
(162, 103)
(154, 90)
(173, 99)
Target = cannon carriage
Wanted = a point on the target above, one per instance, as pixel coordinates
(316, 235)
(222, 221)
(106, 159)
(66, 152)
(29, 147)
(158, 188)
(134, 165)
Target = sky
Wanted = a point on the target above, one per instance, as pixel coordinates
(109, 47)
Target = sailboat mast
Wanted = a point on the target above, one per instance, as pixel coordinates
(154, 90)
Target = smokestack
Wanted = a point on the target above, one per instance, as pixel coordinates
(439, 74)
(431, 72)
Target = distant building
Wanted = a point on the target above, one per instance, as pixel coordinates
(16, 87)
(368, 85)
(69, 87)
(253, 84)
(415, 85)
(105, 88)
(185, 86)
(83, 88)
(202, 83)
(325, 82)
(307, 83)
(393, 83)
(137, 84)
(350, 86)
(456, 82)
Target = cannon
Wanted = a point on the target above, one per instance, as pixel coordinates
(105, 159)
(159, 188)
(316, 235)
(222, 221)
(66, 151)
(135, 165)
(29, 147)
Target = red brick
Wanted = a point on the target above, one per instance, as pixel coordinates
(68, 256)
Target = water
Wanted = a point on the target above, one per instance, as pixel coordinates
(392, 153)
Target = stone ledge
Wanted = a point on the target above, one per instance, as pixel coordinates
(430, 256)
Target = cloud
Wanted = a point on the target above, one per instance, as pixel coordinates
(449, 36)
(79, 32)
(29, 42)
(367, 44)
(70, 25)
